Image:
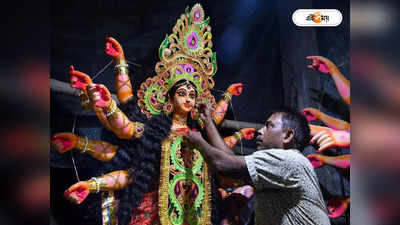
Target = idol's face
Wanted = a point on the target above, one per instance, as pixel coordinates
(184, 98)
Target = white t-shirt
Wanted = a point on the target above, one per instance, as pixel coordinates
(286, 188)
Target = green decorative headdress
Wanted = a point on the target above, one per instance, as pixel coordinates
(184, 54)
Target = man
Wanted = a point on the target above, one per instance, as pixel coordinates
(286, 186)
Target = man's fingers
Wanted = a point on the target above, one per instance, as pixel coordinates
(202, 116)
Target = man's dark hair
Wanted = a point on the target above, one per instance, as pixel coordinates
(292, 119)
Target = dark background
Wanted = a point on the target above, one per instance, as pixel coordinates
(256, 42)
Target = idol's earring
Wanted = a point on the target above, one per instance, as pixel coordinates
(168, 108)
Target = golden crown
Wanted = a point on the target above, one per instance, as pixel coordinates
(184, 54)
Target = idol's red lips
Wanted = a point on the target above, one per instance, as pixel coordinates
(187, 105)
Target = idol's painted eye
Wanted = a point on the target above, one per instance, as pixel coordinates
(192, 95)
(181, 92)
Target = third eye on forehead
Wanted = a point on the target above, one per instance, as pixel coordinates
(185, 89)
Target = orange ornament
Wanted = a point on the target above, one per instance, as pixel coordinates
(317, 17)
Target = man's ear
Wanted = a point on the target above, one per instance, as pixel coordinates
(288, 137)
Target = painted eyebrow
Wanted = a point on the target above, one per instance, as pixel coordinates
(181, 89)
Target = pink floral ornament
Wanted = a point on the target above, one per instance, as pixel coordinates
(192, 40)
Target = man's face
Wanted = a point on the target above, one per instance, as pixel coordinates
(271, 135)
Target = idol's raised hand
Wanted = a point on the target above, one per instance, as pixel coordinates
(235, 89)
(248, 133)
(78, 79)
(331, 139)
(99, 95)
(338, 206)
(322, 64)
(78, 192)
(113, 48)
(64, 142)
(342, 161)
(312, 114)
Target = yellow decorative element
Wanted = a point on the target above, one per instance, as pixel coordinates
(92, 186)
(121, 67)
(227, 96)
(206, 210)
(111, 109)
(85, 102)
(163, 200)
(108, 206)
(164, 182)
(86, 145)
(238, 136)
(138, 129)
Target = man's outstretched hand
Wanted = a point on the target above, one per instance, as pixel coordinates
(194, 137)
(205, 110)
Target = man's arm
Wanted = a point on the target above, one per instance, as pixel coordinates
(224, 163)
(213, 135)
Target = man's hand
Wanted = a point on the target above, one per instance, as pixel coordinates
(194, 137)
(113, 48)
(77, 192)
(322, 64)
(205, 110)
